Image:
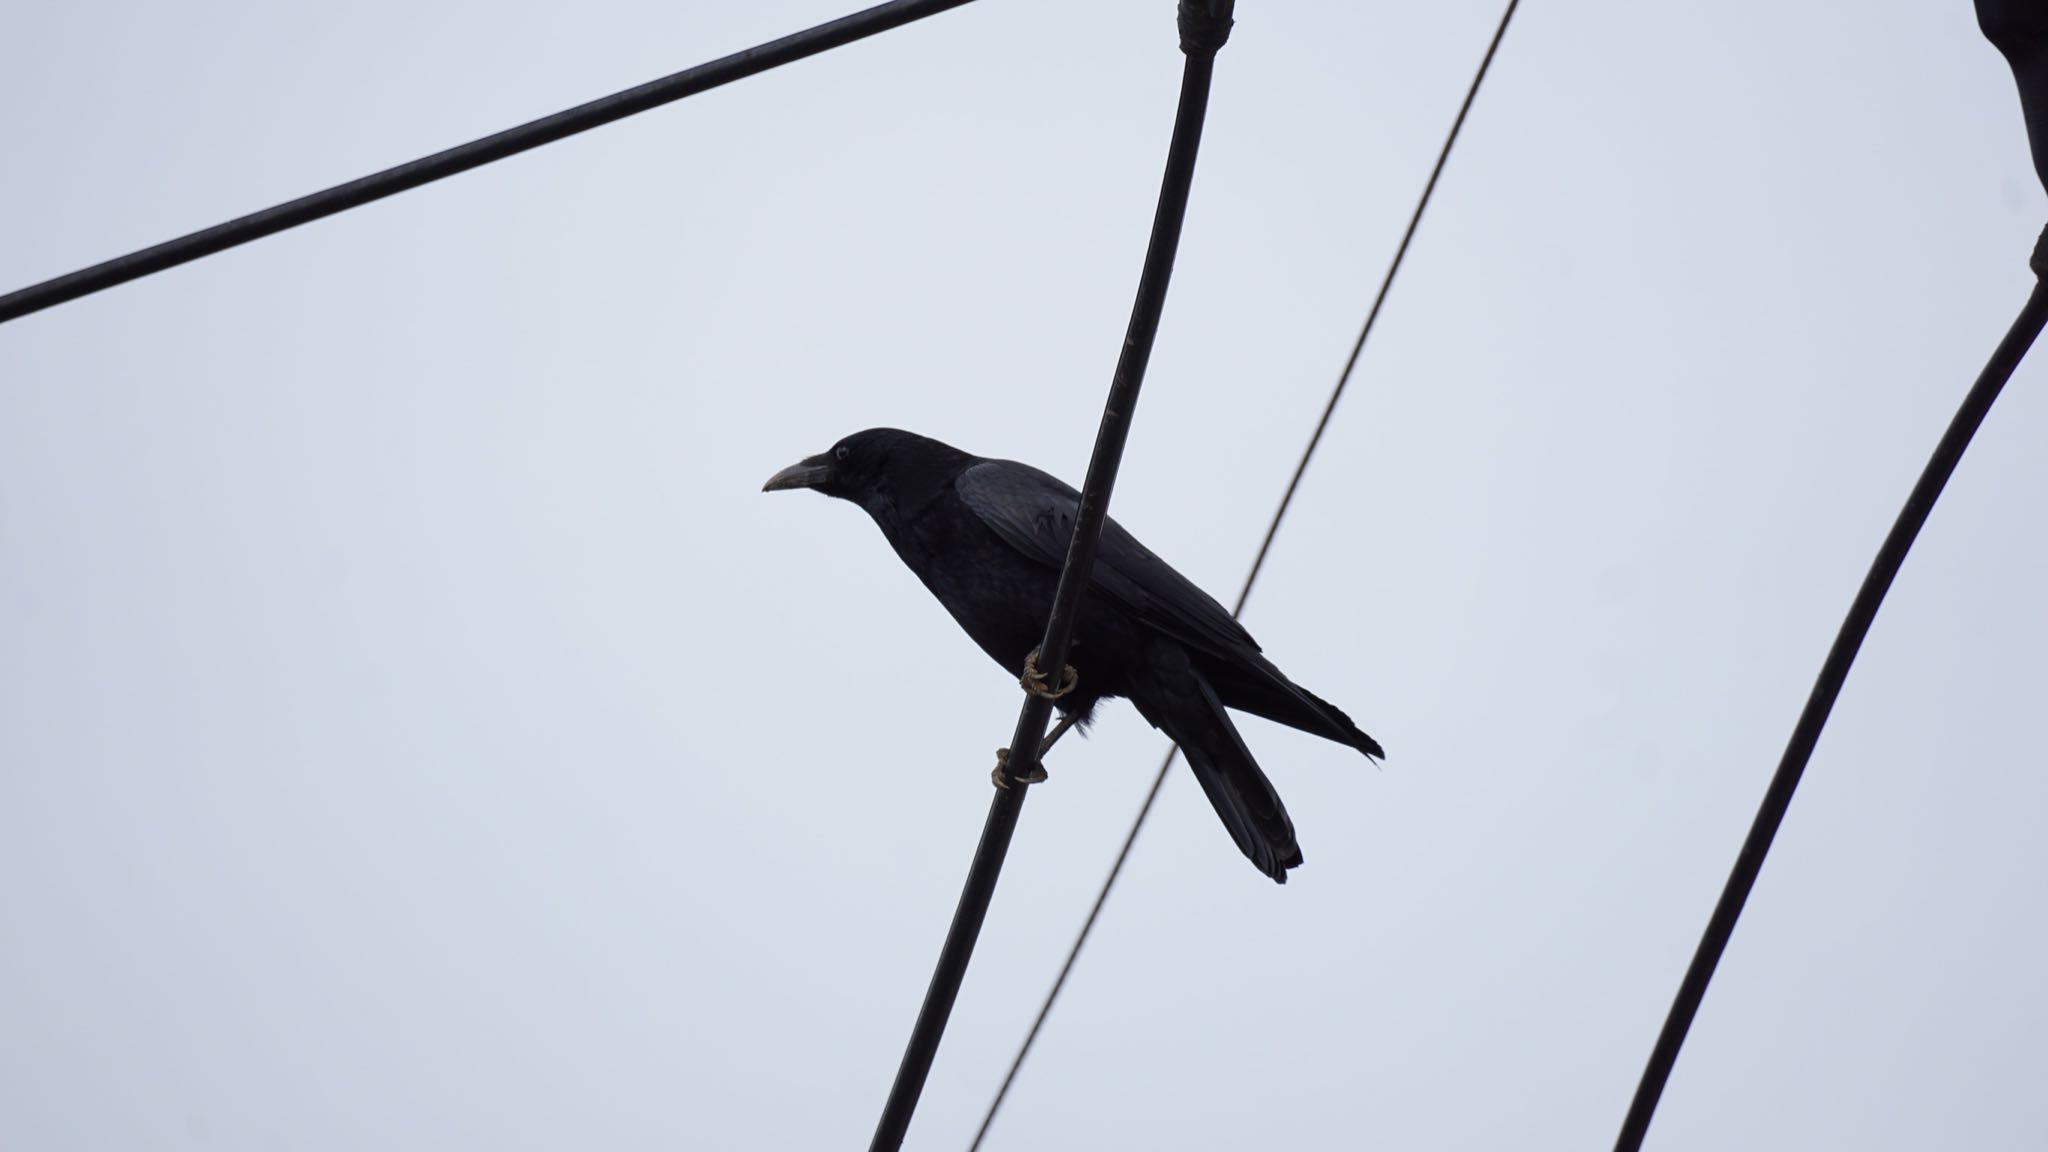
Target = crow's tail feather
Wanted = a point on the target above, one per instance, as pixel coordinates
(1264, 691)
(1182, 703)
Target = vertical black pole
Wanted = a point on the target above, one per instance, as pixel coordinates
(1204, 26)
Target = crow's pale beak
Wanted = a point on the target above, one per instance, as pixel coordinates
(802, 474)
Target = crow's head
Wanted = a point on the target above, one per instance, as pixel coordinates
(847, 469)
(874, 468)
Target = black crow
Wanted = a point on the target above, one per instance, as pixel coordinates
(988, 538)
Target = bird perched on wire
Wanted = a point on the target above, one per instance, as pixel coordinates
(988, 538)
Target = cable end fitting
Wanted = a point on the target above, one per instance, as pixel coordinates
(1205, 26)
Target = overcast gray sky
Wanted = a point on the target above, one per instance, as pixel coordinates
(417, 731)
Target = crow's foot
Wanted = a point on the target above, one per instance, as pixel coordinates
(1001, 776)
(1036, 683)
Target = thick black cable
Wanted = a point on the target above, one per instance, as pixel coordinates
(2019, 30)
(1826, 687)
(1204, 25)
(1244, 593)
(464, 157)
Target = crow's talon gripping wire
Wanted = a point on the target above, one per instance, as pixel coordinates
(1035, 682)
(1001, 776)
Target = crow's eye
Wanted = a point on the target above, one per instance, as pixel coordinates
(840, 453)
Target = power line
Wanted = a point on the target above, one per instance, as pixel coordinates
(1833, 672)
(1204, 26)
(2019, 29)
(1258, 562)
(464, 157)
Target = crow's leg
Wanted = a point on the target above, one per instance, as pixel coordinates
(1058, 730)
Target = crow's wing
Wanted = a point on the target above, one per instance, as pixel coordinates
(1034, 513)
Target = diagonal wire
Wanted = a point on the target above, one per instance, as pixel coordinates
(2019, 30)
(463, 157)
(1827, 686)
(1259, 562)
